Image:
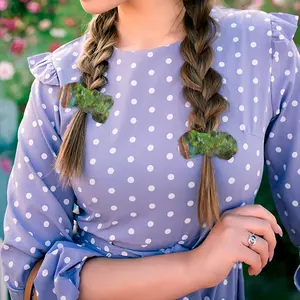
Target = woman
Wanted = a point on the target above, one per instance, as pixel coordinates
(123, 112)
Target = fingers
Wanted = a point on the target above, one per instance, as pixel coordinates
(258, 211)
(257, 226)
(252, 259)
(261, 248)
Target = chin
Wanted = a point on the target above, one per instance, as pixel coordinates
(96, 7)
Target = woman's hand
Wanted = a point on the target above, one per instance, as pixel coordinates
(227, 243)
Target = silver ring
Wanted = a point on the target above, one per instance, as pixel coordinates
(252, 239)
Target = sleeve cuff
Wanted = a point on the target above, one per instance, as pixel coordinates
(59, 275)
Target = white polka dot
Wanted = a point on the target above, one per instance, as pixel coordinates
(224, 119)
(221, 64)
(133, 82)
(190, 203)
(151, 128)
(130, 159)
(169, 136)
(231, 180)
(148, 241)
(150, 54)
(112, 150)
(151, 188)
(133, 101)
(171, 176)
(168, 231)
(44, 156)
(45, 273)
(191, 184)
(171, 196)
(28, 195)
(242, 127)
(111, 190)
(294, 154)
(150, 224)
(114, 208)
(112, 237)
(132, 198)
(187, 220)
(67, 260)
(236, 39)
(151, 72)
(152, 205)
(170, 214)
(241, 89)
(92, 181)
(295, 203)
(130, 180)
(190, 164)
(228, 199)
(295, 103)
(44, 207)
(278, 149)
(28, 215)
(170, 97)
(133, 120)
(169, 156)
(287, 186)
(151, 91)
(253, 44)
(131, 231)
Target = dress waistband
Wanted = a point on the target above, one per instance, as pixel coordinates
(109, 249)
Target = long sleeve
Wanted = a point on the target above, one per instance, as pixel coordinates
(39, 215)
(282, 144)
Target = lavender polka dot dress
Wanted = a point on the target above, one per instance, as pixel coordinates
(138, 195)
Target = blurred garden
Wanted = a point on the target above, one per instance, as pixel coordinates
(28, 27)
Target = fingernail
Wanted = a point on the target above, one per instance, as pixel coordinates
(280, 232)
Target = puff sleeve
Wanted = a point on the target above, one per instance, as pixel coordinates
(39, 214)
(282, 143)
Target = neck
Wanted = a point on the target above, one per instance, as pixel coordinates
(149, 23)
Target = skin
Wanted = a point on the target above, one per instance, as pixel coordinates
(177, 274)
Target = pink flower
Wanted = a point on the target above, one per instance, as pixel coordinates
(10, 24)
(33, 7)
(2, 33)
(54, 46)
(18, 46)
(3, 5)
(5, 164)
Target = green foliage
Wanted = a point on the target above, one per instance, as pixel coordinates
(94, 102)
(214, 143)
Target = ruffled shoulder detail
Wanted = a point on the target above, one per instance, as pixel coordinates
(284, 25)
(59, 67)
(42, 68)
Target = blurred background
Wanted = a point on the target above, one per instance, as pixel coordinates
(28, 27)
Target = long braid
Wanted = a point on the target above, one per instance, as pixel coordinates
(102, 36)
(201, 87)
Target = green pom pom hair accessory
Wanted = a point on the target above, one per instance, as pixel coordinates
(94, 102)
(213, 143)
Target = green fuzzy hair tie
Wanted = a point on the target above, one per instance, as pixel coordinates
(213, 143)
(94, 102)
